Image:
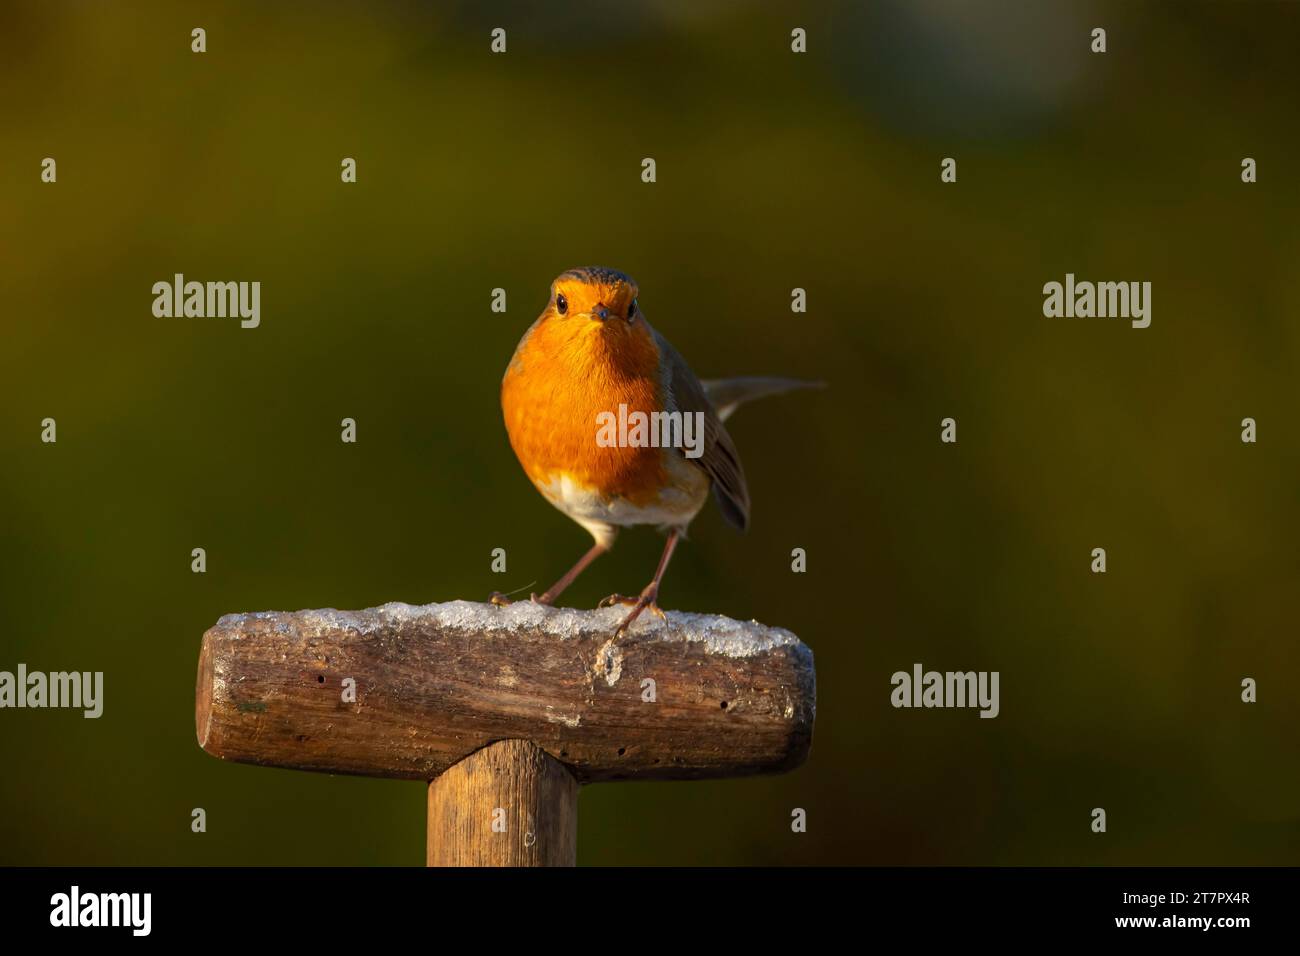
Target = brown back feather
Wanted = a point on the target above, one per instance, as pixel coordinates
(720, 459)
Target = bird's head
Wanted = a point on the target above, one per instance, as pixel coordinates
(594, 320)
(594, 301)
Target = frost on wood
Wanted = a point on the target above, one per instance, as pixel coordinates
(718, 634)
(436, 682)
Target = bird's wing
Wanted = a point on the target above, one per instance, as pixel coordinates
(719, 460)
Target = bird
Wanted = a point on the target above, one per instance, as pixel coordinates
(590, 359)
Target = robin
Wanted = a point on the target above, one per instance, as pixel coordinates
(614, 429)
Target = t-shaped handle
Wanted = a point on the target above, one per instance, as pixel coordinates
(412, 692)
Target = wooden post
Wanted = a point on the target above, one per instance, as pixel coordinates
(534, 803)
(505, 710)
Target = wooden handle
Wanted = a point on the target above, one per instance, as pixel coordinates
(508, 804)
(409, 692)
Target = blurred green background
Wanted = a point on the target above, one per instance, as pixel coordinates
(775, 170)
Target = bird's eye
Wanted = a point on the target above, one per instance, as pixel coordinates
(561, 304)
(631, 311)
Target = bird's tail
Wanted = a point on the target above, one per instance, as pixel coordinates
(728, 394)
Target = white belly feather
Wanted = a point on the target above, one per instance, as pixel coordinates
(686, 492)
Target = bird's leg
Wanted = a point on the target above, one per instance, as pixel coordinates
(556, 589)
(650, 593)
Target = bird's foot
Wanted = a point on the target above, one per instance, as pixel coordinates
(503, 600)
(647, 601)
(650, 606)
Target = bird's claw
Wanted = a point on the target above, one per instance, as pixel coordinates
(501, 600)
(646, 602)
(633, 615)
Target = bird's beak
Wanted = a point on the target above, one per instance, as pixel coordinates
(599, 312)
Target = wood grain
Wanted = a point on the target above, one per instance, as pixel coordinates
(508, 804)
(436, 683)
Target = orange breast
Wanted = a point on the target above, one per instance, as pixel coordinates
(563, 375)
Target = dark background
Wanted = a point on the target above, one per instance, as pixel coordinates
(775, 170)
